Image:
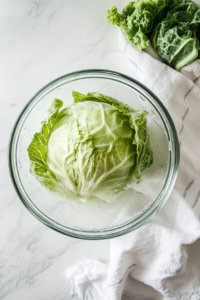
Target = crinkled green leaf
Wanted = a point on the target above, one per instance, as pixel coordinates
(129, 9)
(37, 149)
(114, 17)
(163, 7)
(137, 20)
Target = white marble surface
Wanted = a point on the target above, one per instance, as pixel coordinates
(42, 40)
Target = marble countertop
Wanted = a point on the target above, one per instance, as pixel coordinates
(40, 41)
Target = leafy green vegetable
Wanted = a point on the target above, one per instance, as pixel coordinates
(137, 20)
(37, 150)
(175, 38)
(172, 26)
(91, 148)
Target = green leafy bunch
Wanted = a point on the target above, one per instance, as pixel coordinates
(172, 26)
(137, 20)
(176, 38)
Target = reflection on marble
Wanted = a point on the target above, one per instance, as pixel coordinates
(42, 40)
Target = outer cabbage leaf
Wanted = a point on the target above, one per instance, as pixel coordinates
(195, 25)
(37, 149)
(184, 5)
(163, 7)
(129, 9)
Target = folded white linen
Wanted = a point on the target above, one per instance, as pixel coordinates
(156, 261)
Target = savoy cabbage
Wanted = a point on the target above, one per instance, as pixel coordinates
(172, 27)
(176, 38)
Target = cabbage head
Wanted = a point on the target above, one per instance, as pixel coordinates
(177, 38)
(172, 27)
(93, 147)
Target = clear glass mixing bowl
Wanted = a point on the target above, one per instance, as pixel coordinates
(96, 219)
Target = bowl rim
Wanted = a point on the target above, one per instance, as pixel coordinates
(124, 228)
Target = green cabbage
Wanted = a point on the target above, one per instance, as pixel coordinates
(172, 27)
(176, 38)
(93, 147)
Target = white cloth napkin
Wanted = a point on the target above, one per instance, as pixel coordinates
(156, 261)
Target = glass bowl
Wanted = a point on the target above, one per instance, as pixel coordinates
(96, 219)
